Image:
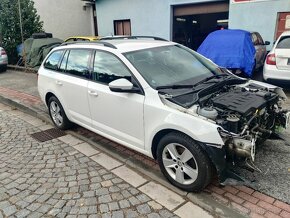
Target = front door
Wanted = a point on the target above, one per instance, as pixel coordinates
(118, 116)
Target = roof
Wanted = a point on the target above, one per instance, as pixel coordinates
(285, 33)
(124, 45)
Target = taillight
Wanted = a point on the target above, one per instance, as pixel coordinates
(271, 59)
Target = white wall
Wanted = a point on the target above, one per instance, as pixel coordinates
(64, 18)
(148, 17)
(260, 16)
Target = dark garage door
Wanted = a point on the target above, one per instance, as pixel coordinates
(192, 23)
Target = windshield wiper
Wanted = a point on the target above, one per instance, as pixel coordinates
(209, 78)
(174, 87)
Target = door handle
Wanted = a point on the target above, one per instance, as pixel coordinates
(93, 93)
(58, 83)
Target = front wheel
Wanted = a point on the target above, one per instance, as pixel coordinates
(183, 162)
(57, 114)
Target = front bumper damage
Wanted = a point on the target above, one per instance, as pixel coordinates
(238, 151)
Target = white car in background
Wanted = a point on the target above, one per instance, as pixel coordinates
(277, 64)
(3, 59)
(163, 100)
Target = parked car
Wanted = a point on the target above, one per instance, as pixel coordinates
(82, 38)
(277, 64)
(163, 100)
(261, 49)
(238, 50)
(3, 59)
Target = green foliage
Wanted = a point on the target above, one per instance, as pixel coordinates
(10, 24)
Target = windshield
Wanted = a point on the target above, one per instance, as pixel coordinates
(171, 65)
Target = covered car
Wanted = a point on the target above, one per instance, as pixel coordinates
(232, 49)
(37, 49)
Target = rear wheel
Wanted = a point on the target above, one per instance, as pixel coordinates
(183, 162)
(57, 114)
(3, 68)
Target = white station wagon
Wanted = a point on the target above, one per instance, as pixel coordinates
(163, 100)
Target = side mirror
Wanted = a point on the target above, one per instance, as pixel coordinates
(123, 85)
(267, 43)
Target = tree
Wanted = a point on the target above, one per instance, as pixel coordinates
(10, 24)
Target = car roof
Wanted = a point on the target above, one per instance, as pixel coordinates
(122, 45)
(286, 33)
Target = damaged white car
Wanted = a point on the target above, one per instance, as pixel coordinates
(165, 101)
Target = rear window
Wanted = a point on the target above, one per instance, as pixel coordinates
(284, 42)
(53, 60)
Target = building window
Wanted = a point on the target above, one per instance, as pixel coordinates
(122, 27)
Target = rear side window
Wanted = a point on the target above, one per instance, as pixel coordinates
(53, 60)
(78, 62)
(284, 42)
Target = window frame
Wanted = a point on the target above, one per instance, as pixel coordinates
(134, 80)
(280, 40)
(59, 61)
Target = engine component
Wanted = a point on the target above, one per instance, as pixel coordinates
(243, 102)
(233, 123)
(208, 112)
(242, 148)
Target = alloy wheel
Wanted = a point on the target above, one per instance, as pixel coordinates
(180, 163)
(56, 114)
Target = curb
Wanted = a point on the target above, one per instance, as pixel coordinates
(23, 69)
(202, 199)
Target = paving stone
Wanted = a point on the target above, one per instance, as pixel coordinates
(124, 203)
(117, 214)
(162, 195)
(8, 211)
(22, 213)
(144, 209)
(104, 208)
(153, 215)
(104, 199)
(129, 176)
(106, 161)
(86, 149)
(189, 210)
(113, 206)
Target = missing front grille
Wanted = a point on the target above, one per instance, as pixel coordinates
(48, 134)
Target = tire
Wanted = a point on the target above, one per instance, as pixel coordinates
(176, 168)
(3, 68)
(57, 114)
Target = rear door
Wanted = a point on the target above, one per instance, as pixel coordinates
(282, 53)
(71, 85)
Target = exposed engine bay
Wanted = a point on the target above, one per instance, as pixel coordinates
(247, 113)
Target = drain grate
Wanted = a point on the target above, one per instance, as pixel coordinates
(48, 134)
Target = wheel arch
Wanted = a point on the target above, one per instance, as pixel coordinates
(48, 96)
(158, 136)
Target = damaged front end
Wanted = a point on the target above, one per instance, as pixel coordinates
(246, 114)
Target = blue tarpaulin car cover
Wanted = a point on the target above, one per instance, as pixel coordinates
(232, 49)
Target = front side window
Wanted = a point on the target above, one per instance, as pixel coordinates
(284, 42)
(171, 65)
(78, 62)
(108, 68)
(53, 60)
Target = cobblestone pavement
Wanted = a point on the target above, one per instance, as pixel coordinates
(54, 179)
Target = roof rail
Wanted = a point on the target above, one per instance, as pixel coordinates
(106, 44)
(132, 37)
